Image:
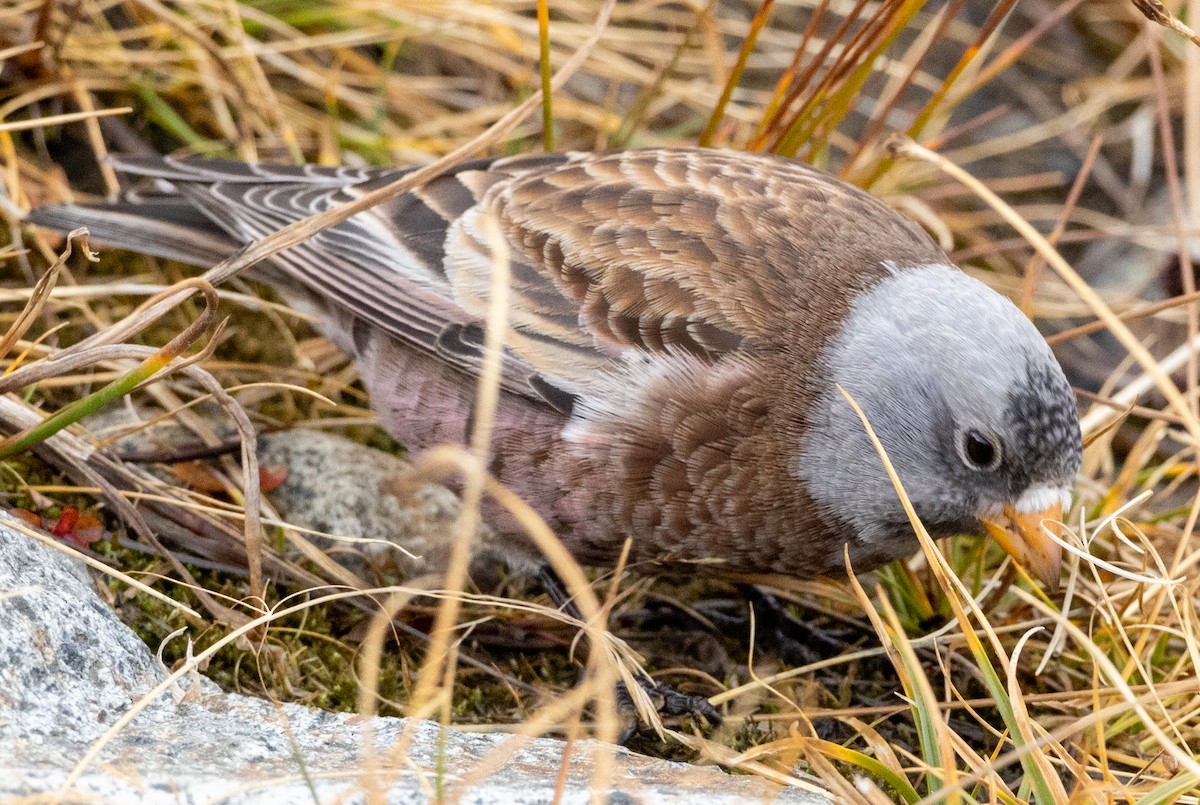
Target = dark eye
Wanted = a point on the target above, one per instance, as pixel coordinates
(981, 452)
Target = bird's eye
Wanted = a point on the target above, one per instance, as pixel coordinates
(979, 451)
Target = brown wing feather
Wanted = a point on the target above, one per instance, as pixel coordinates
(639, 252)
(689, 250)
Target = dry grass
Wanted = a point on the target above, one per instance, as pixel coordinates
(1077, 120)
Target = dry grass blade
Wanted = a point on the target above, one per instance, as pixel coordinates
(756, 25)
(1156, 12)
(439, 667)
(58, 120)
(1127, 316)
(547, 74)
(1034, 270)
(934, 734)
(41, 291)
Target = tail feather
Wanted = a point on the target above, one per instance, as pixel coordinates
(171, 231)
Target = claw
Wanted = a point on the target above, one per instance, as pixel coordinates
(667, 701)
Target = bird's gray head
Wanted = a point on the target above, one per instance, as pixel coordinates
(970, 405)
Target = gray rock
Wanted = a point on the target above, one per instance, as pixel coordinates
(68, 666)
(385, 525)
(343, 488)
(69, 669)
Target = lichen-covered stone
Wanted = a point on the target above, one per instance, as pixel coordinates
(69, 669)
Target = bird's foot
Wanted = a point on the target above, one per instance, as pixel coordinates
(667, 701)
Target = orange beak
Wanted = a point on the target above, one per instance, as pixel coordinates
(1022, 537)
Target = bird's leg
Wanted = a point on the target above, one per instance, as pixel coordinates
(557, 591)
(795, 641)
(666, 699)
(776, 632)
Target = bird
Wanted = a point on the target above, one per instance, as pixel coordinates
(685, 327)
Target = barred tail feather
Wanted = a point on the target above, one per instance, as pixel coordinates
(171, 231)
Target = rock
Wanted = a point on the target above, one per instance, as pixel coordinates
(68, 666)
(69, 669)
(398, 526)
(385, 525)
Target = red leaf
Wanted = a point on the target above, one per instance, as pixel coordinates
(271, 478)
(66, 522)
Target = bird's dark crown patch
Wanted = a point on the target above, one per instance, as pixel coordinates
(1045, 424)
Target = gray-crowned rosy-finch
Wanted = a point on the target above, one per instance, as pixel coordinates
(680, 322)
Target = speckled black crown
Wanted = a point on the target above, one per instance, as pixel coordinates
(1045, 421)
